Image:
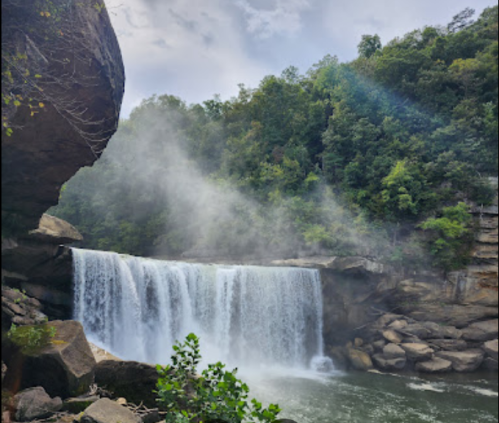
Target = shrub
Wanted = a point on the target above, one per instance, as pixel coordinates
(31, 339)
(216, 395)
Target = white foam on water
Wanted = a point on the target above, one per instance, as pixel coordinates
(425, 387)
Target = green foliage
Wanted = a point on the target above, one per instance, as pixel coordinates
(347, 159)
(369, 45)
(450, 236)
(31, 339)
(216, 395)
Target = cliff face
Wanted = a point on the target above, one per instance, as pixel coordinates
(80, 88)
(355, 296)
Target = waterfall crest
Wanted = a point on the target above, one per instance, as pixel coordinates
(245, 315)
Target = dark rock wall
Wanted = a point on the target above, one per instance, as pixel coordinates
(47, 149)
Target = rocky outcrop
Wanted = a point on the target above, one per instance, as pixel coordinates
(80, 108)
(52, 230)
(349, 265)
(63, 367)
(35, 403)
(20, 309)
(107, 411)
(395, 342)
(464, 361)
(38, 265)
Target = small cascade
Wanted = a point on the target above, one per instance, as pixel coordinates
(245, 315)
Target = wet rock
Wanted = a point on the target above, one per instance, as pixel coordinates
(35, 403)
(392, 336)
(340, 357)
(436, 365)
(482, 331)
(129, 379)
(492, 349)
(392, 351)
(64, 367)
(360, 360)
(418, 352)
(465, 361)
(448, 344)
(107, 411)
(389, 364)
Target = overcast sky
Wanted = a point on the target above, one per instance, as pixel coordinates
(197, 48)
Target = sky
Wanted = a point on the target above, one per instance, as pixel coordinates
(195, 49)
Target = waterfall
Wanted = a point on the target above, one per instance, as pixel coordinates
(245, 315)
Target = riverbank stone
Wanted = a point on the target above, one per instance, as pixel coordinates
(436, 365)
(492, 349)
(448, 344)
(464, 361)
(418, 352)
(359, 360)
(392, 351)
(389, 364)
(392, 336)
(107, 411)
(35, 403)
(482, 331)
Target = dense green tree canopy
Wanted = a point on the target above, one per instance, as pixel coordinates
(342, 160)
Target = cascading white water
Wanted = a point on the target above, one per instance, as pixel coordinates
(248, 316)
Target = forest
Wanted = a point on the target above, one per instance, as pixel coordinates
(380, 157)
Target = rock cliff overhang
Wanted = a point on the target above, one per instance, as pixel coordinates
(67, 108)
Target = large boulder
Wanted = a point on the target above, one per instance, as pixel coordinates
(129, 379)
(359, 360)
(464, 361)
(435, 365)
(81, 104)
(492, 349)
(394, 364)
(418, 352)
(482, 331)
(392, 351)
(35, 403)
(107, 411)
(53, 230)
(64, 366)
(392, 336)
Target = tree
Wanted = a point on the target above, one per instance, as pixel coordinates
(369, 45)
(462, 20)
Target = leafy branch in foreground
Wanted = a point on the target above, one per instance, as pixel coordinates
(216, 395)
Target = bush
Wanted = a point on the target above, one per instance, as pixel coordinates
(451, 237)
(216, 395)
(31, 339)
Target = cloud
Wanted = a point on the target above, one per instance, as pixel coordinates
(284, 18)
(197, 48)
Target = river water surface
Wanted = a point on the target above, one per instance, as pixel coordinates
(382, 398)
